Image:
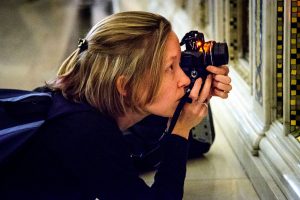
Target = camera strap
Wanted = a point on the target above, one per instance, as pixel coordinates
(177, 112)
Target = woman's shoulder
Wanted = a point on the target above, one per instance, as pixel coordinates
(77, 116)
(80, 128)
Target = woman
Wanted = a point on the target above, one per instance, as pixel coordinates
(126, 68)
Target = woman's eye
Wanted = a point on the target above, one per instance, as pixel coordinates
(170, 68)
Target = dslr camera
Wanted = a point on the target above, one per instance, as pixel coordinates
(198, 54)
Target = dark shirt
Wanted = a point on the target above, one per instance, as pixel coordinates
(83, 155)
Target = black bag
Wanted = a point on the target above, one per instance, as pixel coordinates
(21, 114)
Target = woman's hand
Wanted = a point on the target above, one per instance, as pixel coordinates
(221, 81)
(193, 113)
(216, 84)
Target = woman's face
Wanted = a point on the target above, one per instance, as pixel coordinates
(173, 83)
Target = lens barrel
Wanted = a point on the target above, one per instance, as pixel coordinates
(220, 54)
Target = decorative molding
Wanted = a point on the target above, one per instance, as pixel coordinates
(255, 166)
(286, 66)
(280, 163)
(258, 73)
(247, 123)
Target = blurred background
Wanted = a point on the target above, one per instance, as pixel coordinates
(37, 35)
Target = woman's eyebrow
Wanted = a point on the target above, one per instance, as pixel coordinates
(173, 57)
(170, 59)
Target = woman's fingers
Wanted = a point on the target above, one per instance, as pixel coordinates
(221, 81)
(205, 92)
(221, 70)
(220, 93)
(221, 86)
(195, 90)
(222, 78)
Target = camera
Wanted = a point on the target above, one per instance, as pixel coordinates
(198, 54)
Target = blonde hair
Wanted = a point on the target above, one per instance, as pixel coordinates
(131, 44)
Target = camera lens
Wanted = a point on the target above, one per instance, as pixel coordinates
(220, 54)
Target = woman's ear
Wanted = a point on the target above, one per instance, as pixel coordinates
(121, 83)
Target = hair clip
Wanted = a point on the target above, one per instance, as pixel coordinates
(82, 45)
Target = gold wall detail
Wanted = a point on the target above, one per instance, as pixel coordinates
(295, 69)
(279, 60)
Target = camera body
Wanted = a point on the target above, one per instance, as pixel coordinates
(199, 54)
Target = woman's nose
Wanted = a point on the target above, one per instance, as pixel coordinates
(184, 80)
